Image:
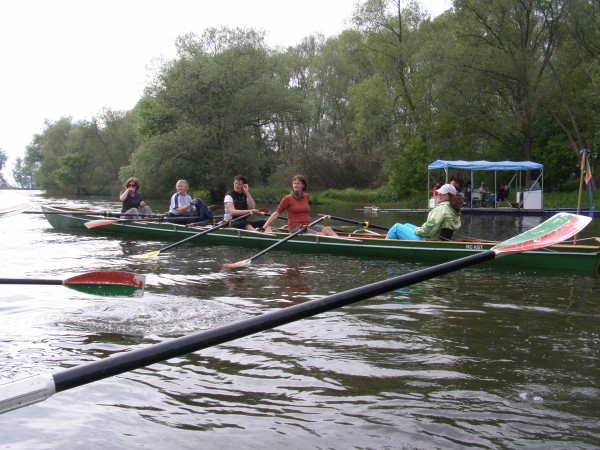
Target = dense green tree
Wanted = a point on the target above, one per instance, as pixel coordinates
(23, 174)
(213, 113)
(3, 159)
(83, 157)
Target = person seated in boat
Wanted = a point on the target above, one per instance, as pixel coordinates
(503, 193)
(239, 202)
(298, 210)
(484, 193)
(184, 210)
(133, 202)
(441, 222)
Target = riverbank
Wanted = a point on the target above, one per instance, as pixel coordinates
(552, 200)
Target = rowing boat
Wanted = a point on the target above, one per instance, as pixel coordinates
(563, 258)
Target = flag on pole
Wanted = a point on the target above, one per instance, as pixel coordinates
(586, 169)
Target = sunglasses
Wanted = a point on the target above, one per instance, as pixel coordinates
(131, 185)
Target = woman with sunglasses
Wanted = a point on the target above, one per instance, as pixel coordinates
(132, 199)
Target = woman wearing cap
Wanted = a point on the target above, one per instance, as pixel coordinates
(441, 222)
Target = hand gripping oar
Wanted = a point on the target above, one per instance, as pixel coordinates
(223, 224)
(110, 283)
(362, 224)
(19, 393)
(247, 262)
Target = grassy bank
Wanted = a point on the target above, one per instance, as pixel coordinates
(384, 199)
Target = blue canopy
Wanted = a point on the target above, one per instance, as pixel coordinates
(486, 165)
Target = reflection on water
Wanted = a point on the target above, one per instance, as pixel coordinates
(479, 358)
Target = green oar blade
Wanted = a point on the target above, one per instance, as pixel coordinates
(556, 229)
(109, 283)
(108, 290)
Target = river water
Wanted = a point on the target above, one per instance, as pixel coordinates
(476, 359)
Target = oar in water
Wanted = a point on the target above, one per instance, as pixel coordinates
(362, 224)
(27, 391)
(108, 283)
(247, 262)
(223, 224)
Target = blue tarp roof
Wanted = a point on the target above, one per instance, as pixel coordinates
(486, 165)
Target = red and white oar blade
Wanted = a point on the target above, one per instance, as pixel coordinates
(108, 284)
(100, 223)
(115, 278)
(236, 265)
(16, 209)
(556, 229)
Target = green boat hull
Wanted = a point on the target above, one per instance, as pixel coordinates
(564, 258)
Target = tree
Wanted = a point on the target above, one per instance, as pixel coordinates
(507, 46)
(212, 113)
(23, 174)
(3, 159)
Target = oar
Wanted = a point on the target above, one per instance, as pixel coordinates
(362, 224)
(92, 213)
(27, 391)
(161, 218)
(15, 209)
(223, 224)
(247, 262)
(110, 283)
(103, 222)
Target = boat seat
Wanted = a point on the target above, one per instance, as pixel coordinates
(446, 234)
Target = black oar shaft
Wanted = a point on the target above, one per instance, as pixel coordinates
(287, 238)
(363, 224)
(136, 359)
(202, 233)
(29, 281)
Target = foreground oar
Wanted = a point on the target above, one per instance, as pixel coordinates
(362, 224)
(223, 224)
(247, 262)
(15, 209)
(108, 283)
(27, 391)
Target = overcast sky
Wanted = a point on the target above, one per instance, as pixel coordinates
(75, 57)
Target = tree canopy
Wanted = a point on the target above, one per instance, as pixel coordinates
(369, 108)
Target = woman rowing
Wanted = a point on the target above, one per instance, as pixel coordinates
(298, 210)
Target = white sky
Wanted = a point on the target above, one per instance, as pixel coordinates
(75, 57)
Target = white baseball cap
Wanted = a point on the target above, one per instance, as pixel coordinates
(447, 189)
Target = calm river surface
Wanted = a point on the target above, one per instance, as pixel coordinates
(476, 359)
